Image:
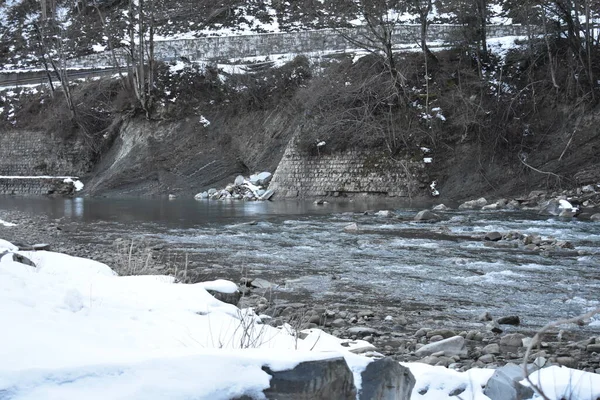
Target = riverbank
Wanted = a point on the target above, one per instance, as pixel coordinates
(140, 337)
(396, 326)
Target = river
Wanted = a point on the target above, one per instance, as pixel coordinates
(442, 271)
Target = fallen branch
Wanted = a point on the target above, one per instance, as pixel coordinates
(537, 338)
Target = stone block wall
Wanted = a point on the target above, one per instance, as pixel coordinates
(37, 154)
(349, 173)
(35, 186)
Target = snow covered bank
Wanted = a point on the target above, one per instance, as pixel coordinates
(73, 329)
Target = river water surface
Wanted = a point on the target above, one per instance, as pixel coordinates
(442, 271)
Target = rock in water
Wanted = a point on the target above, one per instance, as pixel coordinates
(509, 320)
(267, 195)
(426, 216)
(315, 380)
(493, 236)
(440, 207)
(473, 204)
(353, 227)
(567, 213)
(386, 379)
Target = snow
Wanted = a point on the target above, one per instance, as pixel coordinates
(36, 177)
(7, 246)
(501, 45)
(98, 48)
(436, 383)
(78, 330)
(564, 383)
(565, 205)
(205, 122)
(5, 223)
(76, 183)
(220, 285)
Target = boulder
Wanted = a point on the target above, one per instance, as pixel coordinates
(595, 347)
(316, 380)
(513, 205)
(493, 326)
(363, 331)
(229, 298)
(493, 236)
(260, 283)
(239, 180)
(558, 206)
(473, 204)
(491, 207)
(588, 189)
(567, 213)
(267, 195)
(487, 358)
(264, 178)
(440, 207)
(486, 316)
(444, 333)
(22, 259)
(512, 340)
(353, 227)
(505, 384)
(454, 346)
(386, 379)
(595, 217)
(426, 216)
(509, 320)
(493, 348)
(385, 213)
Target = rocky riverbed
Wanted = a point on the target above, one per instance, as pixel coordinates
(411, 331)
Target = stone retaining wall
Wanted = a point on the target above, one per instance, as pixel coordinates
(348, 173)
(35, 186)
(30, 155)
(236, 47)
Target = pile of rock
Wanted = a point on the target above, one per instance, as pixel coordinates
(255, 187)
(581, 203)
(531, 242)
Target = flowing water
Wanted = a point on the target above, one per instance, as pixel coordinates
(442, 271)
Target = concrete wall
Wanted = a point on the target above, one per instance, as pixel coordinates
(348, 173)
(234, 47)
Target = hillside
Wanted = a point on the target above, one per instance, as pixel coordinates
(487, 115)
